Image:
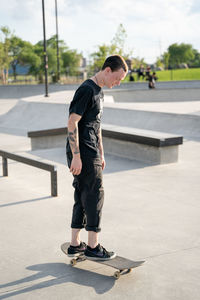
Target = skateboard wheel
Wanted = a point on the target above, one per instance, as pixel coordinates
(117, 275)
(129, 270)
(73, 262)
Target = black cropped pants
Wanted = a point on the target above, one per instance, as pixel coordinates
(88, 195)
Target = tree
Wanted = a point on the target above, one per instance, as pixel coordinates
(71, 61)
(116, 46)
(1, 61)
(99, 57)
(159, 63)
(15, 49)
(118, 41)
(16, 52)
(165, 59)
(136, 62)
(5, 54)
(22, 53)
(178, 54)
(51, 55)
(196, 61)
(29, 57)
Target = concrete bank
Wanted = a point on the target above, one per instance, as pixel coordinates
(20, 91)
(157, 95)
(30, 116)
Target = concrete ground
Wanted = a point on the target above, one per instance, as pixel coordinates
(151, 213)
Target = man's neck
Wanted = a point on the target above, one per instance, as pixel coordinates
(98, 79)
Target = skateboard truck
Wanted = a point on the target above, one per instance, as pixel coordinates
(74, 261)
(116, 275)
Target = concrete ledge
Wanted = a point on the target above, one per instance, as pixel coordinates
(141, 152)
(48, 132)
(50, 138)
(142, 145)
(141, 136)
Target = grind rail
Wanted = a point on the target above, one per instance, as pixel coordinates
(31, 162)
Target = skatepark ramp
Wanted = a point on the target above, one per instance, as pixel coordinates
(26, 116)
(145, 96)
(182, 124)
(20, 91)
(33, 116)
(28, 90)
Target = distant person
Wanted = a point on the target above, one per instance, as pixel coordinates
(85, 156)
(140, 72)
(131, 77)
(152, 79)
(147, 73)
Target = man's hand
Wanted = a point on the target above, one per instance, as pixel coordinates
(76, 165)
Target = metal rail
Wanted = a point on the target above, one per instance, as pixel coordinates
(31, 162)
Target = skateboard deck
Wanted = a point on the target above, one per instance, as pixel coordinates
(123, 265)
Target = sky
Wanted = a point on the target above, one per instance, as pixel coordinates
(151, 25)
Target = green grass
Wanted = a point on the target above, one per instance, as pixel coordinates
(167, 75)
(179, 74)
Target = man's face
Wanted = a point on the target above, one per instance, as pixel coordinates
(113, 78)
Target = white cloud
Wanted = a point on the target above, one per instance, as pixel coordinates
(151, 25)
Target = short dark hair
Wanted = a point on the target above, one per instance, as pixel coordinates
(115, 62)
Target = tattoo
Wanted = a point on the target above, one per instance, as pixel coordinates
(71, 137)
(73, 141)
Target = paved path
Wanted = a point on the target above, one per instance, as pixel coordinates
(150, 213)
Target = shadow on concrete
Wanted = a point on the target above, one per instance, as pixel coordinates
(113, 163)
(25, 201)
(118, 164)
(62, 273)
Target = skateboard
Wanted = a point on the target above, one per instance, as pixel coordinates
(123, 265)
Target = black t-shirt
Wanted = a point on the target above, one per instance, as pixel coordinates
(88, 103)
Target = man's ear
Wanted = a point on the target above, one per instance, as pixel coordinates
(108, 70)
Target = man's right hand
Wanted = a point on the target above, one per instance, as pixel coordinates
(76, 165)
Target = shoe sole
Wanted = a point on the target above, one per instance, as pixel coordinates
(75, 255)
(99, 258)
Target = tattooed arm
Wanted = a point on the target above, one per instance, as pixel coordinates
(101, 148)
(76, 164)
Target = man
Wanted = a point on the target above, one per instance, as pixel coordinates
(140, 72)
(85, 157)
(152, 79)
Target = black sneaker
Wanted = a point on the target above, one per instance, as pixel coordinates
(99, 253)
(76, 250)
